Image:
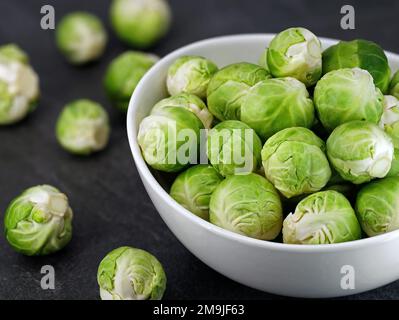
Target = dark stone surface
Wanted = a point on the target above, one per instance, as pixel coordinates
(111, 206)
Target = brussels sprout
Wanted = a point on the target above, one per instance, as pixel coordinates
(377, 206)
(275, 104)
(81, 37)
(39, 221)
(347, 94)
(193, 189)
(140, 23)
(124, 74)
(169, 139)
(295, 52)
(360, 151)
(131, 274)
(294, 161)
(19, 85)
(189, 102)
(248, 205)
(322, 218)
(190, 74)
(394, 85)
(234, 148)
(83, 127)
(363, 54)
(229, 86)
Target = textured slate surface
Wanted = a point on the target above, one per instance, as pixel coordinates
(110, 204)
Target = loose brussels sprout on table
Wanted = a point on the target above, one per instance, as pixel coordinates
(19, 85)
(321, 218)
(248, 205)
(360, 151)
(189, 102)
(295, 162)
(362, 54)
(377, 206)
(124, 74)
(295, 52)
(131, 274)
(275, 104)
(347, 94)
(169, 139)
(193, 188)
(190, 74)
(81, 37)
(140, 23)
(39, 221)
(234, 148)
(83, 127)
(229, 86)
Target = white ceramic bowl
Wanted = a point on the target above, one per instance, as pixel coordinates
(291, 270)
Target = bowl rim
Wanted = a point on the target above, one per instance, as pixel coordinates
(146, 174)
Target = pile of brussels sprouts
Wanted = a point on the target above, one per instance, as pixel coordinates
(304, 144)
(39, 221)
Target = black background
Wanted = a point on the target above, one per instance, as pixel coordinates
(110, 204)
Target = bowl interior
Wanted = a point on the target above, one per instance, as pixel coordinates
(152, 88)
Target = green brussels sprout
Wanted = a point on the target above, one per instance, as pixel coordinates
(229, 86)
(83, 127)
(190, 74)
(248, 205)
(19, 85)
(377, 206)
(81, 37)
(169, 139)
(123, 75)
(345, 95)
(294, 161)
(39, 221)
(193, 189)
(394, 85)
(275, 104)
(140, 23)
(360, 151)
(234, 148)
(322, 218)
(131, 274)
(189, 102)
(362, 54)
(13, 52)
(295, 52)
